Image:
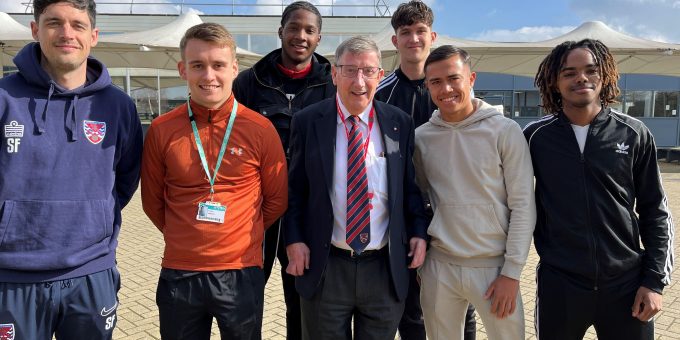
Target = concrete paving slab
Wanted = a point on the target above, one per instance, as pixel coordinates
(141, 247)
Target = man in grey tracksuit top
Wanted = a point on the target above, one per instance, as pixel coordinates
(474, 165)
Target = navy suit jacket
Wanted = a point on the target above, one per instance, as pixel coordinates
(309, 218)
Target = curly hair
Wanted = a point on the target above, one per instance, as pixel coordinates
(551, 66)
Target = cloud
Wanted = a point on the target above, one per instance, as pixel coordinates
(649, 19)
(325, 7)
(15, 6)
(111, 7)
(147, 7)
(529, 33)
(433, 4)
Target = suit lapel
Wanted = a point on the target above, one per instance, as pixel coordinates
(326, 126)
(389, 129)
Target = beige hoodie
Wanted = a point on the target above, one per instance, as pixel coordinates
(479, 178)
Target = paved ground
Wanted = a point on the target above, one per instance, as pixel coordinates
(141, 247)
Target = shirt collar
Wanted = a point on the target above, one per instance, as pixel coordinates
(363, 116)
(205, 114)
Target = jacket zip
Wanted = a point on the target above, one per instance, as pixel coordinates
(587, 200)
(290, 101)
(210, 130)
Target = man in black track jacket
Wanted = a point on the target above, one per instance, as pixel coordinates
(604, 232)
(283, 82)
(409, 95)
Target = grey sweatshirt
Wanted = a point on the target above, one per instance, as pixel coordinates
(479, 178)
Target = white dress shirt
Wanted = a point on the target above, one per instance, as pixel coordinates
(376, 170)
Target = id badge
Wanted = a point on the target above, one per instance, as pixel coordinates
(211, 212)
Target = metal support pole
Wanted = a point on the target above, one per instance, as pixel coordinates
(127, 82)
(158, 89)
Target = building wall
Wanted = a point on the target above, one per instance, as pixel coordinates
(254, 33)
(653, 99)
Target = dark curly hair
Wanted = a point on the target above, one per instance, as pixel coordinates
(549, 70)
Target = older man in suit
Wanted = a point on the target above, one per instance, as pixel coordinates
(356, 219)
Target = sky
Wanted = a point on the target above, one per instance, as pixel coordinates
(532, 20)
(490, 20)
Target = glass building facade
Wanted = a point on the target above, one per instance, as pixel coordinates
(653, 99)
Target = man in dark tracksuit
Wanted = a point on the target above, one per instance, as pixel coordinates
(405, 88)
(604, 232)
(283, 82)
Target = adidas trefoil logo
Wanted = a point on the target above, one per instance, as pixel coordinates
(622, 148)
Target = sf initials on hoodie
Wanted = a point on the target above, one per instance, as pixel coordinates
(69, 163)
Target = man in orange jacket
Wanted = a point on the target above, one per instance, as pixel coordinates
(214, 178)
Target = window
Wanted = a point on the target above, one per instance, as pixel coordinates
(119, 82)
(638, 103)
(502, 98)
(145, 96)
(7, 70)
(527, 104)
(618, 103)
(666, 104)
(263, 44)
(328, 44)
(242, 41)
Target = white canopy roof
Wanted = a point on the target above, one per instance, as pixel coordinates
(155, 48)
(390, 59)
(159, 48)
(12, 31)
(13, 36)
(634, 55)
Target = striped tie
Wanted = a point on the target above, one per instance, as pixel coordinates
(358, 213)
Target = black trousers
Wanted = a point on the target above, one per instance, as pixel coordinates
(188, 301)
(566, 309)
(412, 326)
(274, 248)
(353, 289)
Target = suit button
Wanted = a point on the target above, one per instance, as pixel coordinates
(325, 245)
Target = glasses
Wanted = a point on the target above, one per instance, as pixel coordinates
(351, 71)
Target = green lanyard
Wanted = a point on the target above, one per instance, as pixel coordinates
(223, 148)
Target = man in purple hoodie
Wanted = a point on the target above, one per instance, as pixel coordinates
(69, 162)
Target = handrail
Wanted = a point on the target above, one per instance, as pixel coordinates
(374, 8)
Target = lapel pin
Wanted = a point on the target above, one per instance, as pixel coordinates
(395, 128)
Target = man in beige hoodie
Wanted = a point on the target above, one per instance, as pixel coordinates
(474, 165)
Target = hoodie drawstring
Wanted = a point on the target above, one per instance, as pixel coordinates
(41, 121)
(71, 119)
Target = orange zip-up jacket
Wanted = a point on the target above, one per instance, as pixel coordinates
(252, 183)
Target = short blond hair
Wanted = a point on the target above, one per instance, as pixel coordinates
(209, 32)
